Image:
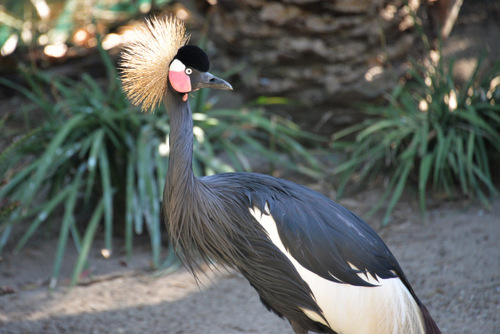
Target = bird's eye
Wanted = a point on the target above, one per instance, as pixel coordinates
(189, 71)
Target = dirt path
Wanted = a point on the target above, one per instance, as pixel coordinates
(452, 262)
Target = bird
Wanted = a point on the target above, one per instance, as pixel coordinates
(311, 261)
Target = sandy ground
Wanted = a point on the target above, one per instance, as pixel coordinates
(452, 260)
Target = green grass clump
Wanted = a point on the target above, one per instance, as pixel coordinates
(434, 131)
(91, 152)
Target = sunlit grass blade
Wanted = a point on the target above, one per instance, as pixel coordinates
(461, 165)
(107, 196)
(129, 209)
(398, 190)
(87, 241)
(67, 221)
(152, 196)
(92, 162)
(424, 172)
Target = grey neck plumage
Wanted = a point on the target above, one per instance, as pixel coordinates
(180, 175)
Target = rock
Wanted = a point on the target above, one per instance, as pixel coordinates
(278, 14)
(321, 51)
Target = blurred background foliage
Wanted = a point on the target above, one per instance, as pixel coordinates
(56, 22)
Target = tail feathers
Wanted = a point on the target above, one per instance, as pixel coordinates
(429, 324)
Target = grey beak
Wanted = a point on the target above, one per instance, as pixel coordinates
(208, 80)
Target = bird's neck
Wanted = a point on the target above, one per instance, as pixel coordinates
(197, 220)
(180, 177)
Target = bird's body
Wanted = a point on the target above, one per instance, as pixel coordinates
(311, 261)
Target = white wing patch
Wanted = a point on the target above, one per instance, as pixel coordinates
(387, 308)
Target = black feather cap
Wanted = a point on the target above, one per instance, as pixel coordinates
(194, 57)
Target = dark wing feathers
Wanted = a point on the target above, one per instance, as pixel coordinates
(321, 235)
(326, 238)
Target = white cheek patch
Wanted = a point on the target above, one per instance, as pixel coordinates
(177, 66)
(179, 80)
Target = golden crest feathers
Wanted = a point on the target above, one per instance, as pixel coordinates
(144, 63)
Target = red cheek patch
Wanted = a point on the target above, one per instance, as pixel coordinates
(180, 81)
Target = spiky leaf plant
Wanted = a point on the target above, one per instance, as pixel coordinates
(91, 151)
(433, 130)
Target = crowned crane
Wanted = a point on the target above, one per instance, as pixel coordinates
(311, 261)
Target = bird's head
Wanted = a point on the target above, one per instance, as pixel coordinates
(159, 56)
(188, 72)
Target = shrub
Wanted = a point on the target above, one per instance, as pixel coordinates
(433, 130)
